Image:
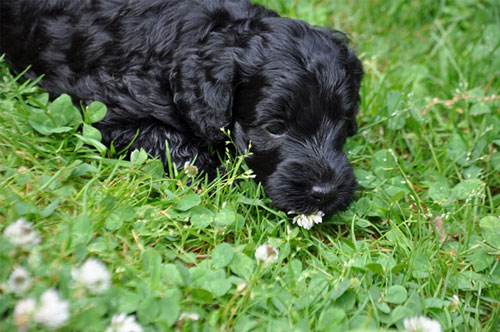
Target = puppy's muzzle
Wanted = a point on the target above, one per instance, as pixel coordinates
(323, 193)
(310, 185)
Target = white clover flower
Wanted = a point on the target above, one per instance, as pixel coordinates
(189, 315)
(93, 275)
(52, 311)
(124, 323)
(455, 301)
(21, 233)
(308, 220)
(23, 313)
(421, 324)
(266, 253)
(241, 287)
(19, 281)
(190, 170)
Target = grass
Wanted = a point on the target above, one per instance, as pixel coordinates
(424, 228)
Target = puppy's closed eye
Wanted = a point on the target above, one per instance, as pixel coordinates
(276, 129)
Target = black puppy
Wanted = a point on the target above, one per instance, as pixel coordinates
(180, 70)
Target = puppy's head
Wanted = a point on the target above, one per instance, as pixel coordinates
(291, 91)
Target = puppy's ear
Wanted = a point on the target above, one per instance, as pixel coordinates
(355, 68)
(202, 82)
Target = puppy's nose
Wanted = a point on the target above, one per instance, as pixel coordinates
(323, 193)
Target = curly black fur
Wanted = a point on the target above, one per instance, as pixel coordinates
(179, 70)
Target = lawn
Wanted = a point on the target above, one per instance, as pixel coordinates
(422, 238)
